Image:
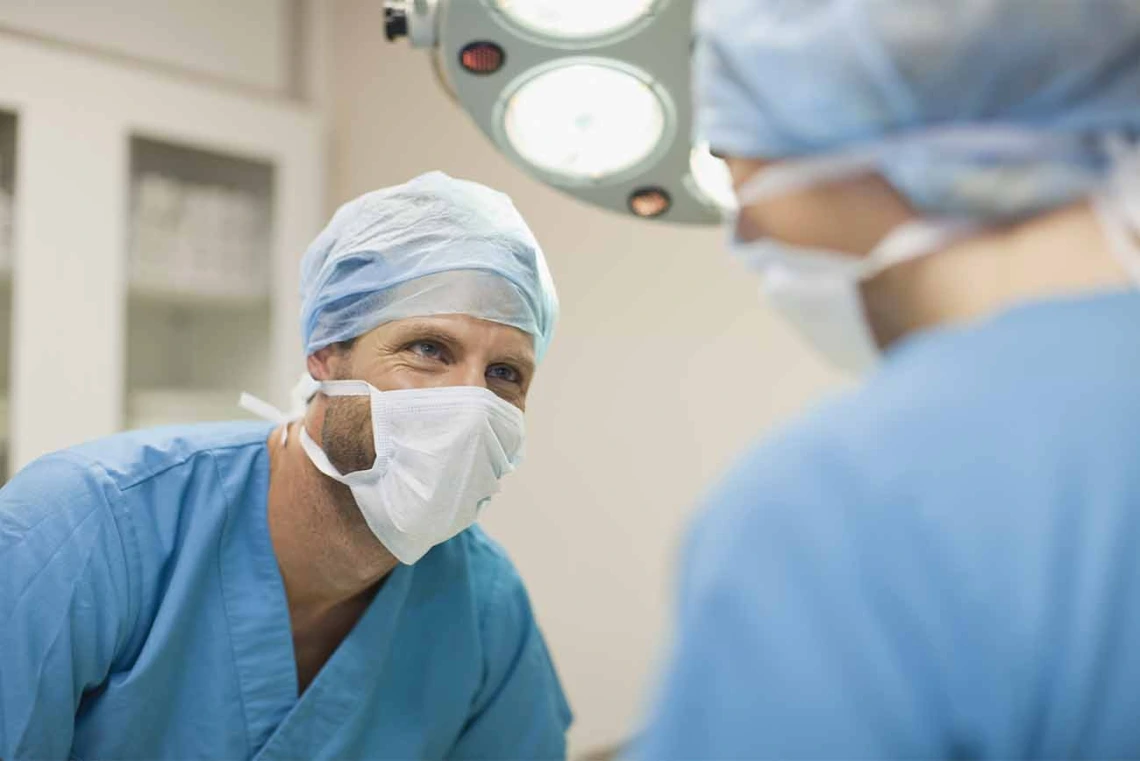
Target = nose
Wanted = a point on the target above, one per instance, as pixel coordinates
(468, 373)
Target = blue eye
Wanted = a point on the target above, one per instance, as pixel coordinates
(504, 373)
(427, 349)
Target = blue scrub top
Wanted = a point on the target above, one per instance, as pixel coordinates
(943, 563)
(142, 615)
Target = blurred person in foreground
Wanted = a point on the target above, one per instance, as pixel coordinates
(945, 561)
(315, 588)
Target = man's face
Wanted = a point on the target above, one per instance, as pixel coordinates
(418, 352)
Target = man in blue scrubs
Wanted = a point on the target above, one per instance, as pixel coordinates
(313, 589)
(944, 562)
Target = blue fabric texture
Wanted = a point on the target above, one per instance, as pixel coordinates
(942, 563)
(143, 616)
(776, 79)
(386, 255)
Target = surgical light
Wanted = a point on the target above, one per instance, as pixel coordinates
(575, 20)
(591, 97)
(584, 121)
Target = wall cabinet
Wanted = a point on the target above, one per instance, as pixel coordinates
(156, 226)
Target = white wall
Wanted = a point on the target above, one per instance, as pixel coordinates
(243, 41)
(663, 366)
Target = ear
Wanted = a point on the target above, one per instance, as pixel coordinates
(324, 363)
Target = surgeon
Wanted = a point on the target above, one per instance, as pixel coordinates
(944, 562)
(314, 589)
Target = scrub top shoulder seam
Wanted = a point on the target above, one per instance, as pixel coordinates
(141, 479)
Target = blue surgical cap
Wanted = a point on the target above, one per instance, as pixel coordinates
(434, 245)
(784, 78)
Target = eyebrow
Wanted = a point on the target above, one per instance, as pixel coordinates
(423, 331)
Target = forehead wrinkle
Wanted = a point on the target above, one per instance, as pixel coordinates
(448, 332)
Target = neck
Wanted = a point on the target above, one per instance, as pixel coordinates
(1063, 253)
(327, 555)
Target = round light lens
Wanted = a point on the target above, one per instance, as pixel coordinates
(712, 178)
(575, 19)
(584, 121)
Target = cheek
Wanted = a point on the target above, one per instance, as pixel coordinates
(347, 434)
(808, 218)
(428, 375)
(852, 217)
(511, 396)
(395, 378)
(386, 373)
(742, 169)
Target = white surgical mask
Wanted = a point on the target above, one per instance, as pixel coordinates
(440, 453)
(818, 290)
